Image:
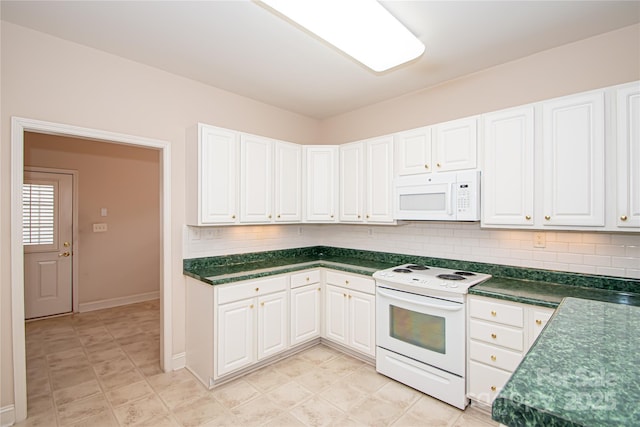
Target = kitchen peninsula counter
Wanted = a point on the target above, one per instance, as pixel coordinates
(583, 370)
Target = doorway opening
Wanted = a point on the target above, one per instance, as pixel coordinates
(19, 127)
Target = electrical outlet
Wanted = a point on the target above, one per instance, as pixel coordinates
(194, 233)
(539, 240)
(212, 233)
(100, 227)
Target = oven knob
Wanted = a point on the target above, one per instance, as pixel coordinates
(443, 284)
(453, 285)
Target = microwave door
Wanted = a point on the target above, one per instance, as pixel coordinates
(428, 202)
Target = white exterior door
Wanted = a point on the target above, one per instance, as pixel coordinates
(379, 195)
(628, 159)
(236, 335)
(288, 182)
(413, 151)
(256, 179)
(573, 160)
(508, 174)
(456, 145)
(47, 239)
(305, 313)
(272, 324)
(351, 182)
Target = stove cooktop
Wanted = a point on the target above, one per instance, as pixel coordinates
(423, 278)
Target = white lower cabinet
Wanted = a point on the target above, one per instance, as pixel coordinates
(350, 312)
(231, 327)
(500, 334)
(236, 336)
(306, 301)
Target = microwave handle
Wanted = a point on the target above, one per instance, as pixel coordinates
(450, 199)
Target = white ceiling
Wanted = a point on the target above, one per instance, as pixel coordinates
(241, 47)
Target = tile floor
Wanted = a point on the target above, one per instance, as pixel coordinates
(102, 369)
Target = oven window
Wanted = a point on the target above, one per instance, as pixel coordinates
(420, 329)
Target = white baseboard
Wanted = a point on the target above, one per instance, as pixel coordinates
(115, 302)
(179, 361)
(7, 416)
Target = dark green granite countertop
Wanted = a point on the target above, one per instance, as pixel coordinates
(547, 294)
(583, 370)
(529, 286)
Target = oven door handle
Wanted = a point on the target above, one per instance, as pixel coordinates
(439, 307)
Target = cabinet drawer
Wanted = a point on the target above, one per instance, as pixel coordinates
(305, 278)
(497, 334)
(357, 283)
(238, 291)
(497, 312)
(494, 356)
(485, 382)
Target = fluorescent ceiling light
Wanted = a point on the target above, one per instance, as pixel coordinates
(362, 29)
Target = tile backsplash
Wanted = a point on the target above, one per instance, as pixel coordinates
(610, 254)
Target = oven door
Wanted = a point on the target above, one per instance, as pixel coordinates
(429, 330)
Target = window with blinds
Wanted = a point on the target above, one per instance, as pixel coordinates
(38, 213)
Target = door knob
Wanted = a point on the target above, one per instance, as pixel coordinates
(65, 254)
(66, 244)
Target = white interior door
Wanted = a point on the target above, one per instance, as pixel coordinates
(47, 239)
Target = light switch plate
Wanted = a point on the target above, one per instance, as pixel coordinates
(100, 227)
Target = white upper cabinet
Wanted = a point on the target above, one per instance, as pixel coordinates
(351, 182)
(573, 160)
(455, 144)
(413, 151)
(288, 182)
(628, 156)
(321, 183)
(508, 174)
(379, 180)
(256, 179)
(366, 181)
(212, 175)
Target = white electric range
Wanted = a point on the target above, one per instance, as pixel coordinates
(421, 328)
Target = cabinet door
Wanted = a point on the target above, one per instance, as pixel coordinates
(288, 182)
(628, 158)
(272, 324)
(321, 196)
(336, 315)
(351, 182)
(256, 181)
(305, 313)
(218, 175)
(456, 145)
(413, 151)
(573, 160)
(236, 336)
(379, 195)
(362, 309)
(538, 320)
(507, 188)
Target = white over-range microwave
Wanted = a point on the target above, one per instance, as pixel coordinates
(444, 196)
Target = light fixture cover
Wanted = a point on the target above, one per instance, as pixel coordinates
(362, 29)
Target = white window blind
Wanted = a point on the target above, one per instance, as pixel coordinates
(38, 213)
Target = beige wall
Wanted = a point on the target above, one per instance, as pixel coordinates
(125, 260)
(49, 79)
(592, 63)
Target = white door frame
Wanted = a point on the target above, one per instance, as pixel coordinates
(18, 127)
(74, 244)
